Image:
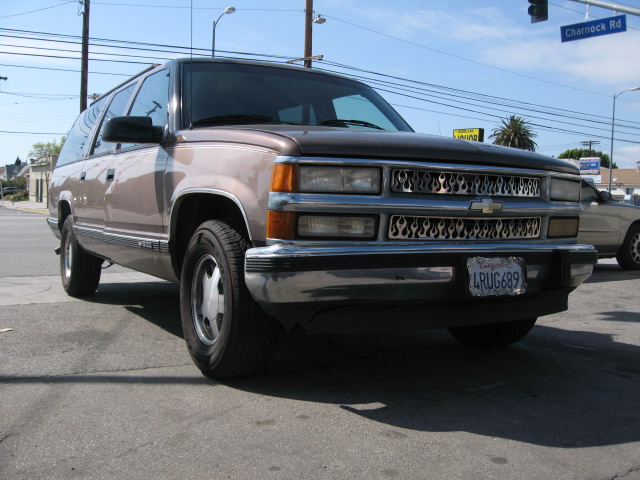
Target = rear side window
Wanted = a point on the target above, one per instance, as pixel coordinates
(77, 142)
(116, 108)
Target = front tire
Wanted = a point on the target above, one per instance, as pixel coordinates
(80, 271)
(227, 333)
(493, 335)
(628, 256)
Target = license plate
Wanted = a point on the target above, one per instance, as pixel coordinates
(496, 276)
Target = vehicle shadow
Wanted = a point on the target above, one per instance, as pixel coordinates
(559, 388)
(157, 302)
(556, 388)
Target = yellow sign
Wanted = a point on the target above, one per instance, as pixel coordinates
(473, 134)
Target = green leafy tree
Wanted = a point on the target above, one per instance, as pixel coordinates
(578, 153)
(46, 149)
(514, 132)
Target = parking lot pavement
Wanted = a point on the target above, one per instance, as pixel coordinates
(104, 387)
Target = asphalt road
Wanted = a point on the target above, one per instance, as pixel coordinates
(104, 388)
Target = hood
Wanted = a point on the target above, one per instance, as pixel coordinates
(289, 140)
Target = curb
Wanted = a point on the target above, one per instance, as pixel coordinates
(25, 208)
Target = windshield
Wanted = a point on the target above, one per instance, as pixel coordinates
(239, 94)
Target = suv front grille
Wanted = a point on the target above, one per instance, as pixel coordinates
(405, 227)
(455, 183)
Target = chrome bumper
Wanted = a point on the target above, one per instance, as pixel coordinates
(303, 274)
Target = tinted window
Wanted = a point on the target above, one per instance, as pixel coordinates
(152, 98)
(589, 193)
(77, 141)
(116, 108)
(236, 94)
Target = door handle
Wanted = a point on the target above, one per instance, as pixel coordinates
(111, 174)
(83, 175)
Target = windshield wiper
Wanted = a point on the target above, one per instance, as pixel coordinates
(342, 122)
(232, 120)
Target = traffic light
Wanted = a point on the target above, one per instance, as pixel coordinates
(539, 10)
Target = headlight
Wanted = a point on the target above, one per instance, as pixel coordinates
(565, 190)
(339, 180)
(315, 226)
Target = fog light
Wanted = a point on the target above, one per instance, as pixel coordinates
(336, 226)
(563, 227)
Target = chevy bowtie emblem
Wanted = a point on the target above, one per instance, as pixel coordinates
(486, 205)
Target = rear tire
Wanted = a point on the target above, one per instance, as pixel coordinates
(80, 271)
(628, 256)
(493, 335)
(227, 333)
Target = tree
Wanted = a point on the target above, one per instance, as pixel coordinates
(514, 132)
(47, 149)
(578, 153)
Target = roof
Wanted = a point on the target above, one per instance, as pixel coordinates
(627, 177)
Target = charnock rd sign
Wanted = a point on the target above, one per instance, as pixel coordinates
(595, 28)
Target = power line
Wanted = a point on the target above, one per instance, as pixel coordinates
(62, 70)
(395, 85)
(38, 10)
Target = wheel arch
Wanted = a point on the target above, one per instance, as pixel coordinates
(64, 210)
(194, 207)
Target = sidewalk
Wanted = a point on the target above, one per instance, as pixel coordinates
(36, 207)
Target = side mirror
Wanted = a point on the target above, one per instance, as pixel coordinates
(131, 130)
(604, 196)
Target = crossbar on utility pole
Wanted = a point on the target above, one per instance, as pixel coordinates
(611, 6)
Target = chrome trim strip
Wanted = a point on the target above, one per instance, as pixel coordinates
(428, 165)
(210, 191)
(154, 244)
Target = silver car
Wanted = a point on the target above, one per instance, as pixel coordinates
(612, 227)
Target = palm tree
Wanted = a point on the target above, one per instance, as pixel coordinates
(515, 132)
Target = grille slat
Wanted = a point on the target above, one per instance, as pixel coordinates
(406, 227)
(456, 183)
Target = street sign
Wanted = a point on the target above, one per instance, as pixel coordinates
(595, 28)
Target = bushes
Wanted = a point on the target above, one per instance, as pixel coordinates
(20, 197)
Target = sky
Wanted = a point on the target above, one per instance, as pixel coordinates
(444, 65)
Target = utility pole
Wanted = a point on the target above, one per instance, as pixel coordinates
(590, 143)
(85, 56)
(308, 22)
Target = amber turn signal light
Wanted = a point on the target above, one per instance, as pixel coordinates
(283, 178)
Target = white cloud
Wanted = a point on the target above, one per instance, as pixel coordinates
(627, 157)
(605, 62)
(487, 35)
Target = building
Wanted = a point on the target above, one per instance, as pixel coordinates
(625, 183)
(37, 175)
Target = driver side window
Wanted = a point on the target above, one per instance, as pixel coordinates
(152, 100)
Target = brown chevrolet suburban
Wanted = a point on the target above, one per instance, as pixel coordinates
(279, 196)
